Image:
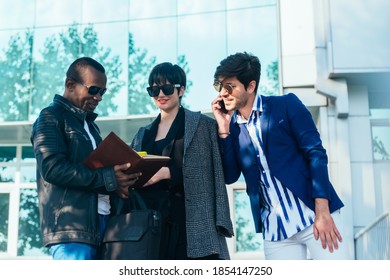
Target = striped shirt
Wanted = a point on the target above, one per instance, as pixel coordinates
(285, 214)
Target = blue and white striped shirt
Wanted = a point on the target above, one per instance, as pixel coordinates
(286, 214)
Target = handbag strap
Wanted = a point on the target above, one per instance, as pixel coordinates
(123, 206)
(137, 199)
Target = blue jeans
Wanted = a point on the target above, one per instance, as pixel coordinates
(78, 251)
(73, 251)
(103, 221)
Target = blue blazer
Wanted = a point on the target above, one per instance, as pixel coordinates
(293, 149)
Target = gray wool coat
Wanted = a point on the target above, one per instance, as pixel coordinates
(206, 202)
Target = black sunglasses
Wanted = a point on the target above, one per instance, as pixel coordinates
(93, 90)
(218, 87)
(167, 89)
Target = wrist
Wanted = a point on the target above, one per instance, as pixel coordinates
(321, 205)
(223, 133)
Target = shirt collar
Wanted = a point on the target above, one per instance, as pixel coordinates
(257, 106)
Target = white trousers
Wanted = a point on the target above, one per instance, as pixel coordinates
(297, 246)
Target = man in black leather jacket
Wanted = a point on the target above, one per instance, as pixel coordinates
(63, 135)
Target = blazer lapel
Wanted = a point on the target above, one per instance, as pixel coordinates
(191, 123)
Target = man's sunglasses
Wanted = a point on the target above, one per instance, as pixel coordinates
(218, 87)
(167, 89)
(93, 90)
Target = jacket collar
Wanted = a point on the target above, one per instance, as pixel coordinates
(265, 109)
(256, 106)
(79, 113)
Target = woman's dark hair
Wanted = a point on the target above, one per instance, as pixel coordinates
(166, 71)
(244, 66)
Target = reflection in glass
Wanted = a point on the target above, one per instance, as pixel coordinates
(15, 70)
(7, 154)
(58, 52)
(7, 174)
(29, 239)
(28, 154)
(185, 7)
(247, 240)
(381, 142)
(4, 209)
(249, 4)
(35, 60)
(152, 8)
(28, 174)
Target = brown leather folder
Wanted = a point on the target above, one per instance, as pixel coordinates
(113, 151)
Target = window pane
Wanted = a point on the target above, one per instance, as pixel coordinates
(28, 174)
(152, 8)
(247, 240)
(186, 7)
(7, 173)
(379, 102)
(234, 4)
(28, 154)
(60, 13)
(377, 113)
(4, 209)
(381, 142)
(7, 154)
(200, 93)
(30, 239)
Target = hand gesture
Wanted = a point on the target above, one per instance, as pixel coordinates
(124, 180)
(324, 226)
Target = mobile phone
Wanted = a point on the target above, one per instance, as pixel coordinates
(223, 108)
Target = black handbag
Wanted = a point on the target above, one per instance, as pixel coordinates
(134, 235)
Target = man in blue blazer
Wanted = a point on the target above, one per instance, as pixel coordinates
(274, 143)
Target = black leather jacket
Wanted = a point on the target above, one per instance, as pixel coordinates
(67, 190)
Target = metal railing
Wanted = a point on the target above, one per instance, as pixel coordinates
(373, 242)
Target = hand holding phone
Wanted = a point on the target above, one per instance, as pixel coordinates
(223, 108)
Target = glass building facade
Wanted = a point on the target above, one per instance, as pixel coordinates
(40, 38)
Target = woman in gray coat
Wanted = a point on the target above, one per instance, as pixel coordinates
(190, 191)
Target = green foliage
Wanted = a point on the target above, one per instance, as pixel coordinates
(139, 68)
(182, 62)
(380, 149)
(271, 85)
(246, 238)
(4, 209)
(15, 83)
(246, 241)
(28, 85)
(59, 51)
(140, 65)
(29, 230)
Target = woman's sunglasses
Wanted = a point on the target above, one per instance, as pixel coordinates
(218, 87)
(167, 89)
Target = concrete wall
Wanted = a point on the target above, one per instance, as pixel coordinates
(325, 44)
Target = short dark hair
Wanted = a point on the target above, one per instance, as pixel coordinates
(166, 71)
(245, 66)
(75, 69)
